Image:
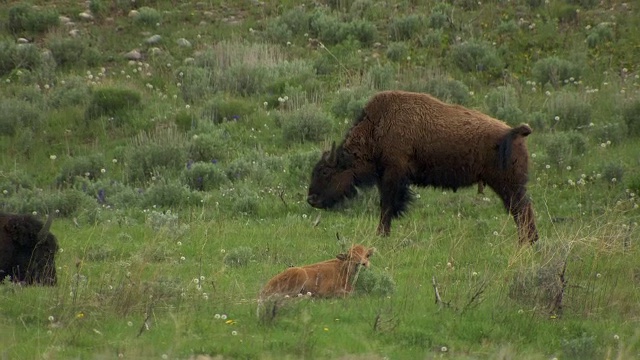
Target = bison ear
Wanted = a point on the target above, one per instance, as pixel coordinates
(342, 257)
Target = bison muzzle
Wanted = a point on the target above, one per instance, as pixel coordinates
(403, 138)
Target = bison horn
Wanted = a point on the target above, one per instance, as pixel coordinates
(332, 154)
(45, 228)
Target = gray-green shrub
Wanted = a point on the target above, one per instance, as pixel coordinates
(406, 27)
(573, 111)
(18, 57)
(88, 166)
(72, 51)
(631, 116)
(17, 115)
(148, 16)
(169, 194)
(195, 83)
(220, 109)
(397, 51)
(209, 147)
(204, 176)
(239, 256)
(348, 103)
(25, 17)
(564, 148)
(309, 123)
(502, 103)
(554, 70)
(145, 161)
(72, 91)
(113, 102)
(477, 56)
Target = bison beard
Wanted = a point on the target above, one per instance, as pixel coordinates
(404, 138)
(27, 250)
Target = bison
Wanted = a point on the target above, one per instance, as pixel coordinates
(325, 279)
(403, 138)
(27, 250)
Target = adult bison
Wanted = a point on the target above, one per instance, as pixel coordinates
(27, 249)
(404, 138)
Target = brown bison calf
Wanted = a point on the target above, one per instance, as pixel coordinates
(404, 138)
(27, 250)
(325, 279)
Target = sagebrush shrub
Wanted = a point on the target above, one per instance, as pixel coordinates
(615, 131)
(72, 51)
(212, 146)
(148, 16)
(25, 17)
(441, 87)
(327, 28)
(241, 200)
(569, 110)
(613, 172)
(397, 51)
(244, 167)
(69, 202)
(406, 27)
(143, 162)
(300, 164)
(113, 102)
(502, 103)
(564, 148)
(17, 115)
(381, 76)
(169, 194)
(98, 8)
(13, 181)
(438, 20)
(239, 256)
(375, 282)
(72, 91)
(362, 30)
(195, 83)
(600, 34)
(554, 70)
(220, 109)
(477, 56)
(204, 176)
(88, 166)
(309, 123)
(18, 57)
(631, 116)
(348, 103)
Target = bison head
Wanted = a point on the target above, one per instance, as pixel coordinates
(35, 250)
(332, 179)
(357, 255)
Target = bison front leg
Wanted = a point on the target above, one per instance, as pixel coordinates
(394, 196)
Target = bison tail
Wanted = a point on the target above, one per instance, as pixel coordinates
(506, 144)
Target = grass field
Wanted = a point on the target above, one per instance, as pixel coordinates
(179, 176)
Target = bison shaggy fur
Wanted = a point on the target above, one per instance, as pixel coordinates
(27, 250)
(324, 279)
(403, 138)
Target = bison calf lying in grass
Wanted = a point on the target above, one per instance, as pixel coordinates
(403, 138)
(325, 279)
(27, 250)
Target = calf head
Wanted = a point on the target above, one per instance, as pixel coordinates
(357, 255)
(332, 180)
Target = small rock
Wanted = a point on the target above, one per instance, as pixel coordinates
(22, 41)
(133, 13)
(208, 13)
(183, 42)
(203, 23)
(133, 55)
(85, 15)
(70, 24)
(155, 51)
(189, 61)
(74, 32)
(64, 19)
(153, 39)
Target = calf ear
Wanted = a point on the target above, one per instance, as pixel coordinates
(342, 257)
(371, 251)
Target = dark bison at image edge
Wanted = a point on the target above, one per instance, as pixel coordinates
(403, 138)
(27, 250)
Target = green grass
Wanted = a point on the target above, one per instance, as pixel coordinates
(149, 264)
